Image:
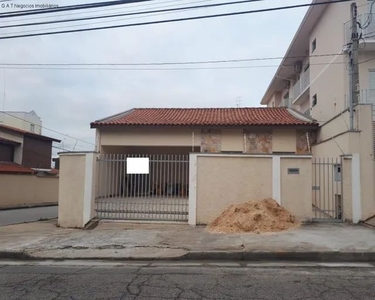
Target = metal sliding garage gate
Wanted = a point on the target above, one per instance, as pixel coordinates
(158, 193)
(327, 189)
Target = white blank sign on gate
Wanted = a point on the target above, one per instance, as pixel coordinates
(137, 165)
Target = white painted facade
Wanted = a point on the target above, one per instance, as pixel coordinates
(313, 77)
(28, 121)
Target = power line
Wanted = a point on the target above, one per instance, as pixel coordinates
(168, 63)
(162, 69)
(68, 8)
(93, 23)
(109, 9)
(63, 134)
(133, 13)
(176, 20)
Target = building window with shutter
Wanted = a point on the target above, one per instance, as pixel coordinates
(314, 100)
(313, 46)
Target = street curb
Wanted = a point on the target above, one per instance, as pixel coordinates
(15, 255)
(333, 256)
(37, 205)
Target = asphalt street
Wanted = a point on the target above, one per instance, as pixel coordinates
(178, 281)
(15, 216)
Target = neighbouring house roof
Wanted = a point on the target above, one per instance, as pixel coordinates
(298, 48)
(13, 168)
(250, 116)
(27, 133)
(8, 142)
(52, 171)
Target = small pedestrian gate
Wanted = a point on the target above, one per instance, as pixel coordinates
(159, 194)
(327, 189)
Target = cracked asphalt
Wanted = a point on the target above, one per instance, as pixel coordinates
(184, 282)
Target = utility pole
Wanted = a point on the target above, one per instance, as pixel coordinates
(354, 72)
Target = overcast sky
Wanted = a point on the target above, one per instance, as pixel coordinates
(68, 100)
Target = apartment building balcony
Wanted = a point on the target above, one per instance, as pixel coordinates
(364, 97)
(367, 42)
(287, 102)
(301, 88)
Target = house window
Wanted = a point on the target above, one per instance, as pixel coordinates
(314, 100)
(306, 68)
(32, 127)
(313, 46)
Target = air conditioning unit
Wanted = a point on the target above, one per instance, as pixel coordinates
(298, 67)
(286, 84)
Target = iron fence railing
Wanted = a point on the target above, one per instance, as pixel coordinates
(327, 189)
(161, 194)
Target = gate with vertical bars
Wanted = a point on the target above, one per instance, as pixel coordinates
(327, 189)
(162, 194)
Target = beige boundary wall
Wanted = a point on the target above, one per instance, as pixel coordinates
(21, 190)
(217, 181)
(76, 189)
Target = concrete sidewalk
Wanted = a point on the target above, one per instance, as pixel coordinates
(315, 242)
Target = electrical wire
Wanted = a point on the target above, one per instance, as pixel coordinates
(176, 20)
(111, 9)
(161, 69)
(55, 131)
(68, 8)
(133, 13)
(369, 18)
(169, 63)
(367, 60)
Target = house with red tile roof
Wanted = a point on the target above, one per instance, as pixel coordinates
(22, 151)
(26, 177)
(213, 130)
(151, 158)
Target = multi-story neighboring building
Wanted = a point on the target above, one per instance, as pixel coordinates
(314, 78)
(28, 121)
(24, 148)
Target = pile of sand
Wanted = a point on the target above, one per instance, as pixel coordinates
(254, 216)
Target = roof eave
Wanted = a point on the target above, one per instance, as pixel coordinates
(42, 137)
(304, 124)
(295, 39)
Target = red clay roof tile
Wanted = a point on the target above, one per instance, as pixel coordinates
(10, 167)
(253, 116)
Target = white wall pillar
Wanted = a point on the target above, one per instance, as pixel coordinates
(76, 189)
(276, 178)
(356, 189)
(192, 189)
